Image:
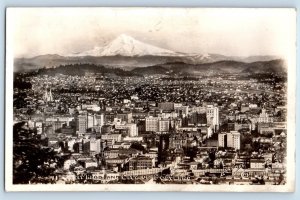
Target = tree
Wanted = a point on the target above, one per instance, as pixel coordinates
(256, 146)
(212, 157)
(137, 146)
(31, 161)
(192, 152)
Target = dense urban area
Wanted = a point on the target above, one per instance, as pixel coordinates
(102, 128)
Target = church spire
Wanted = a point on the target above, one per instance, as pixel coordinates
(47, 97)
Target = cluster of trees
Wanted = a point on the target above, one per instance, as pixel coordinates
(81, 68)
(32, 162)
(138, 147)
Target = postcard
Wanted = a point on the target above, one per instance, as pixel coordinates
(150, 99)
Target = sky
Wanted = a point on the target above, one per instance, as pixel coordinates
(231, 32)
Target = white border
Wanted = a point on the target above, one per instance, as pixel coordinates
(291, 122)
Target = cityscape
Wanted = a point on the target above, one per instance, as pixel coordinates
(103, 129)
(121, 105)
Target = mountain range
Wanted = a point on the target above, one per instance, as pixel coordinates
(172, 69)
(127, 53)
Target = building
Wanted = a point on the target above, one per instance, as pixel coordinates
(163, 125)
(90, 107)
(95, 146)
(81, 123)
(110, 139)
(98, 122)
(140, 162)
(131, 128)
(167, 106)
(68, 163)
(234, 140)
(114, 153)
(212, 116)
(197, 118)
(167, 115)
(231, 139)
(264, 117)
(257, 163)
(182, 110)
(177, 141)
(95, 121)
(152, 124)
(163, 146)
(57, 126)
(57, 122)
(125, 117)
(109, 117)
(116, 137)
(222, 140)
(157, 124)
(106, 129)
(90, 163)
(86, 146)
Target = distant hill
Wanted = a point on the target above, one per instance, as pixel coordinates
(225, 67)
(228, 66)
(273, 66)
(157, 69)
(82, 69)
(125, 62)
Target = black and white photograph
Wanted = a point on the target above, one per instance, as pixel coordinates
(150, 99)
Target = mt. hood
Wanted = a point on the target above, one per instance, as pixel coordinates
(125, 45)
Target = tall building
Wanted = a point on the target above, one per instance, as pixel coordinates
(163, 146)
(212, 116)
(234, 140)
(163, 125)
(95, 146)
(197, 118)
(91, 146)
(231, 139)
(95, 121)
(90, 120)
(86, 120)
(86, 146)
(81, 123)
(222, 140)
(152, 124)
(98, 122)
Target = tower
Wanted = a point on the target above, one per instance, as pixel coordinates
(212, 116)
(50, 97)
(47, 97)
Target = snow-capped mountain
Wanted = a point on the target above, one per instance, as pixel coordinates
(127, 53)
(125, 45)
